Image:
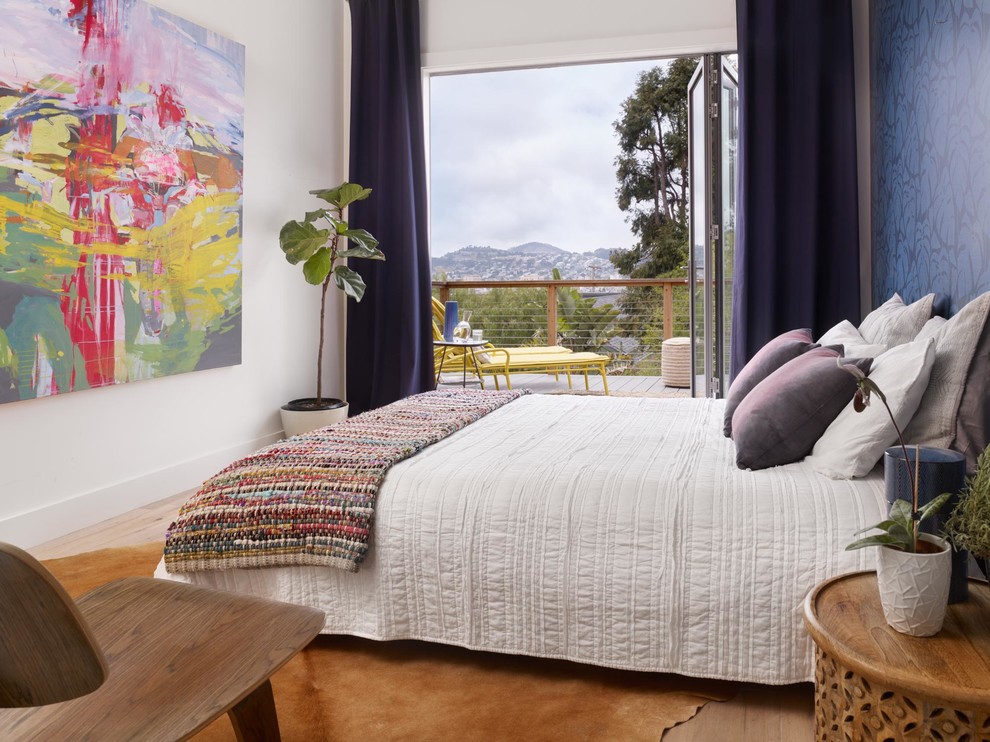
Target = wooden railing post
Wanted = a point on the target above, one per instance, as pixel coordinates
(668, 311)
(444, 293)
(551, 314)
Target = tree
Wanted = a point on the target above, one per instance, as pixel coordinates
(652, 170)
(508, 317)
(581, 325)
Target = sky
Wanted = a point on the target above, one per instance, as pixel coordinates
(528, 156)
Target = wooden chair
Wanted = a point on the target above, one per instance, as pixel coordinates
(138, 658)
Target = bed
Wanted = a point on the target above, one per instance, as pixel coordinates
(611, 531)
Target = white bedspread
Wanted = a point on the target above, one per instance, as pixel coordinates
(613, 531)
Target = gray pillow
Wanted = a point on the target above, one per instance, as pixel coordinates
(956, 341)
(780, 421)
(973, 420)
(972, 433)
(768, 359)
(894, 323)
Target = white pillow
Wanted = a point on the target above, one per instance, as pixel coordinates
(931, 328)
(855, 441)
(955, 343)
(855, 346)
(893, 323)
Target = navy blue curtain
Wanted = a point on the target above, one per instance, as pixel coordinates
(797, 227)
(389, 335)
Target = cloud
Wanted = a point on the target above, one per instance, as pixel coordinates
(528, 155)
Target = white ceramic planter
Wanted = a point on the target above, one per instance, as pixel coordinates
(914, 588)
(297, 422)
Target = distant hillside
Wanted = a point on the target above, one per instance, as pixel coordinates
(536, 248)
(532, 260)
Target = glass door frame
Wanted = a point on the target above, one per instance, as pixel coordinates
(708, 75)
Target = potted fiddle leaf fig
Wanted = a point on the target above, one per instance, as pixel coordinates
(913, 568)
(315, 242)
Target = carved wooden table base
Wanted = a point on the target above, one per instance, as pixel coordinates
(874, 683)
(851, 708)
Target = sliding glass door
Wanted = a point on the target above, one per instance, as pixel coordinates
(713, 104)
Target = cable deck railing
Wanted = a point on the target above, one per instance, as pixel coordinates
(627, 319)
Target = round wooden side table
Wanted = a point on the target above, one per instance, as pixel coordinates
(874, 683)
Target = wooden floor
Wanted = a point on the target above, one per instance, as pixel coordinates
(758, 713)
(140, 526)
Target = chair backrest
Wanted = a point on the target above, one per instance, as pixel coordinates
(47, 651)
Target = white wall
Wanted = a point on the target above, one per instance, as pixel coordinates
(479, 33)
(69, 461)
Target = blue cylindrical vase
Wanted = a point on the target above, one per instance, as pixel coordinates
(449, 320)
(939, 470)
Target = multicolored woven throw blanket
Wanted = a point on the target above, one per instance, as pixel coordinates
(310, 500)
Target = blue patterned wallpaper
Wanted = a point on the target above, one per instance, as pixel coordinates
(930, 68)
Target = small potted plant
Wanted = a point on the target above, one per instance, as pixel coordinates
(913, 568)
(319, 250)
(969, 525)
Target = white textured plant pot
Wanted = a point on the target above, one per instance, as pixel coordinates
(914, 588)
(297, 422)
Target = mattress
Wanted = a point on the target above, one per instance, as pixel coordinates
(611, 531)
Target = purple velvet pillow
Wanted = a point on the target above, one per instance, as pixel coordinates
(768, 359)
(784, 416)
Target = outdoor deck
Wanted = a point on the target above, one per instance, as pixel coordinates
(624, 386)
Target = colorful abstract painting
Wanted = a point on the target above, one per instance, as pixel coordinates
(121, 142)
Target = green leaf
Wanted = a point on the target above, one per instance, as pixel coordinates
(361, 252)
(299, 240)
(882, 526)
(900, 511)
(330, 195)
(881, 539)
(350, 282)
(902, 534)
(934, 506)
(312, 216)
(317, 268)
(361, 238)
(361, 245)
(343, 194)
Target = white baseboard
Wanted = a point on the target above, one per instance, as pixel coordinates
(34, 527)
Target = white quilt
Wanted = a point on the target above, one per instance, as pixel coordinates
(613, 531)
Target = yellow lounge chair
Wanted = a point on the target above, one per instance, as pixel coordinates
(511, 362)
(454, 359)
(438, 311)
(492, 361)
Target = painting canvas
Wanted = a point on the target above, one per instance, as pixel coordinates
(121, 145)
